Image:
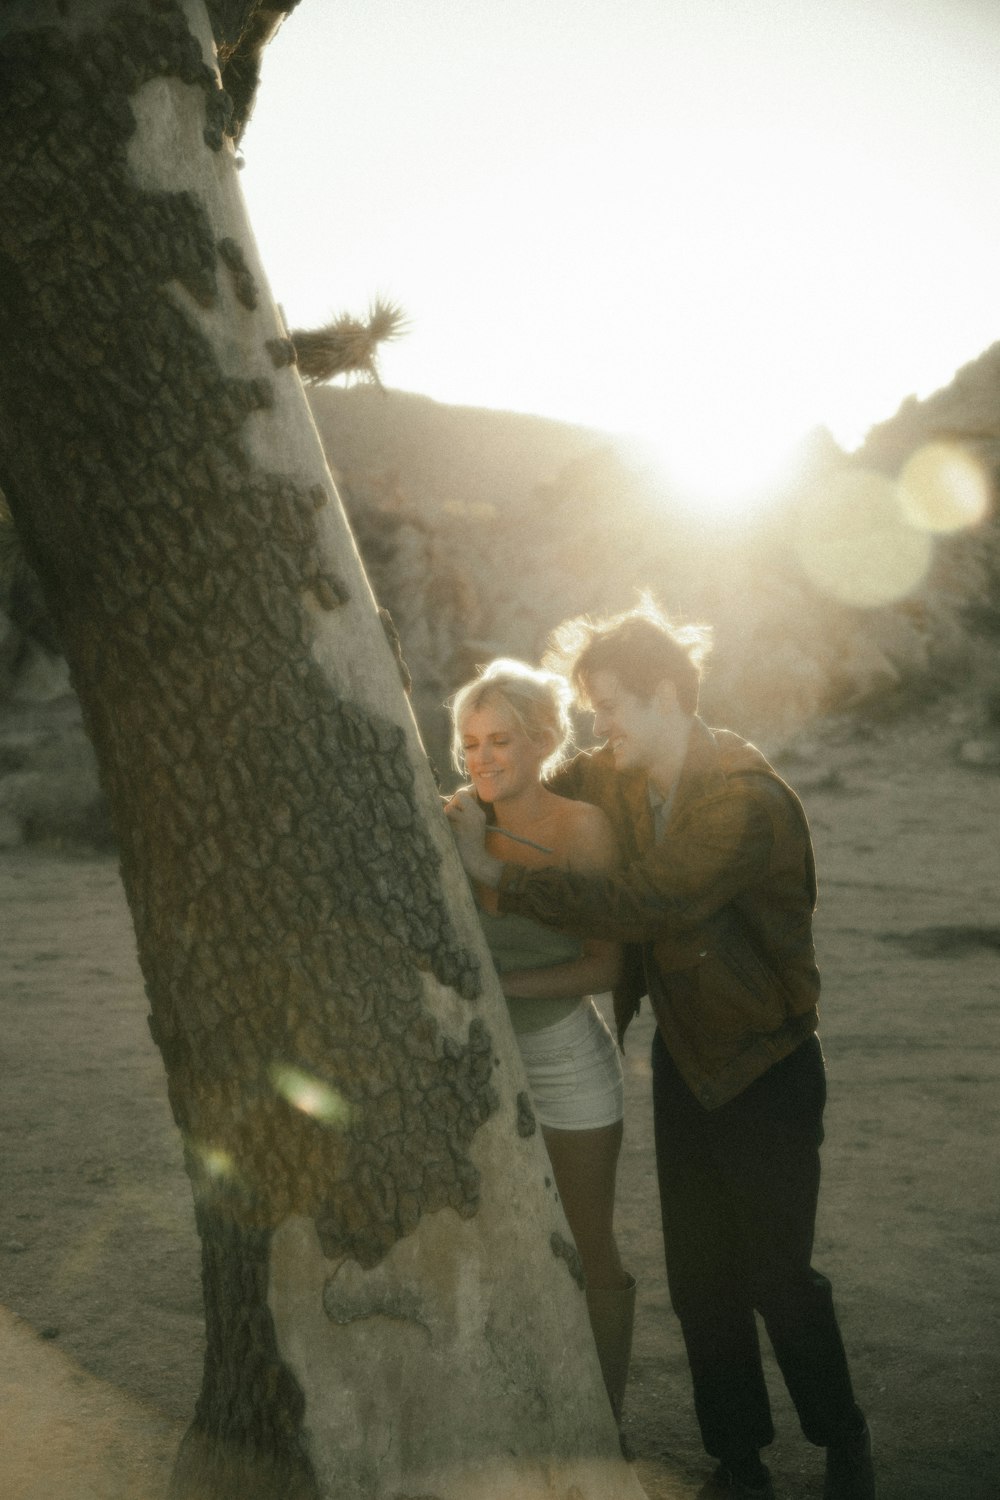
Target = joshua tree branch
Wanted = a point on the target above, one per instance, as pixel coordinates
(346, 345)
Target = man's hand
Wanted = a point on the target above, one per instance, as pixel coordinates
(468, 824)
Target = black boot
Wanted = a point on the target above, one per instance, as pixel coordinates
(747, 1480)
(850, 1474)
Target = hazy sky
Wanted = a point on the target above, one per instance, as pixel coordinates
(716, 222)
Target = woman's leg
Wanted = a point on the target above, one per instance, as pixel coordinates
(585, 1165)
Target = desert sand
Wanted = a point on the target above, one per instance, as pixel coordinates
(100, 1323)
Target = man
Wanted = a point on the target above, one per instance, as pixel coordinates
(717, 893)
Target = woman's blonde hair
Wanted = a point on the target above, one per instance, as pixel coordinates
(537, 701)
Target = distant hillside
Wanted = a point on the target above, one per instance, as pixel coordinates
(967, 409)
(442, 456)
(522, 521)
(481, 530)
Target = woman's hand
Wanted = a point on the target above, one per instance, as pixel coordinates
(468, 824)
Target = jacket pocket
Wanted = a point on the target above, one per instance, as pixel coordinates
(737, 995)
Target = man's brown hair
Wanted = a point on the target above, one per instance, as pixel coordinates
(640, 646)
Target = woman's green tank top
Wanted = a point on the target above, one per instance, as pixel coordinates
(520, 943)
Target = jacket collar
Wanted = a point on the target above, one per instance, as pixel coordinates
(711, 755)
(702, 774)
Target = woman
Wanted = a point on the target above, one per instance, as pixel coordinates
(510, 727)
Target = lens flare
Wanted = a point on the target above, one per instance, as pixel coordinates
(310, 1095)
(855, 542)
(214, 1174)
(215, 1162)
(943, 488)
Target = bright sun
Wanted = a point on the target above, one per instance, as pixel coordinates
(719, 475)
(718, 321)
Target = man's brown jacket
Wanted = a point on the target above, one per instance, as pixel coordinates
(720, 905)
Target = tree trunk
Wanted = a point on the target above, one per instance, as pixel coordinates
(392, 1302)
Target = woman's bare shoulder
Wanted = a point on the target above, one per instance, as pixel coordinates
(590, 838)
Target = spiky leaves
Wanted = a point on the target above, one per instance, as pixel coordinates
(347, 345)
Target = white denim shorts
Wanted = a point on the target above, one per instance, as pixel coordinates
(574, 1071)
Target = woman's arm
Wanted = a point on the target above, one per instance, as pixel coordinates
(596, 970)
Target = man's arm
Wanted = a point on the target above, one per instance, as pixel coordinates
(720, 849)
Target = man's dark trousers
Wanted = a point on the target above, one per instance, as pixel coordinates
(738, 1192)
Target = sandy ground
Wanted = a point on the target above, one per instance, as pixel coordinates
(100, 1324)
